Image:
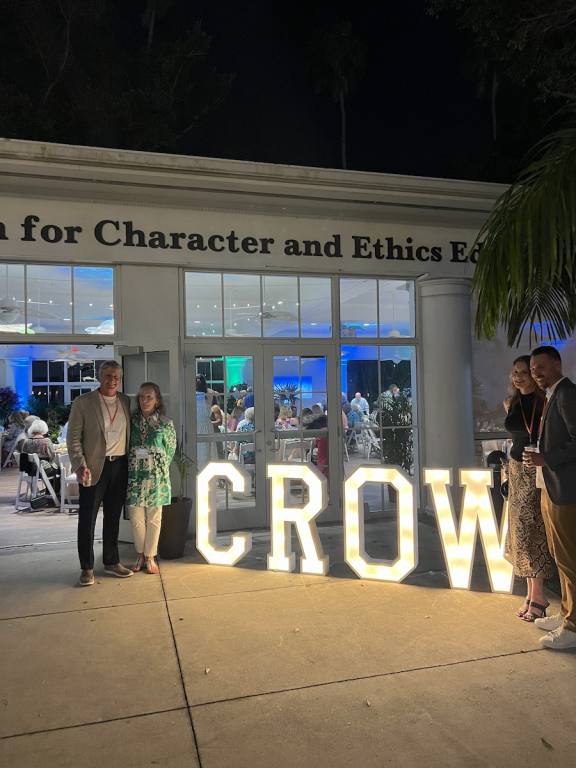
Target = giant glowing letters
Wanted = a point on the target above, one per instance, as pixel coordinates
(355, 553)
(477, 511)
(458, 541)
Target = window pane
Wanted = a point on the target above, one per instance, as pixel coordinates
(315, 307)
(280, 306)
(395, 401)
(56, 370)
(396, 299)
(49, 299)
(81, 371)
(358, 312)
(94, 300)
(242, 312)
(12, 298)
(39, 370)
(359, 372)
(203, 304)
(313, 373)
(40, 392)
(56, 396)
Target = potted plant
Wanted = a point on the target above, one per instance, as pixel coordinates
(9, 401)
(176, 515)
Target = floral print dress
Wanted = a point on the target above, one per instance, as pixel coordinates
(152, 448)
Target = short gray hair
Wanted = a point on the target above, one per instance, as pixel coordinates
(38, 427)
(108, 364)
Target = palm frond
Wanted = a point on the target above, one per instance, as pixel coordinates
(526, 274)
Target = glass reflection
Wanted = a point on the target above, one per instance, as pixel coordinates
(203, 292)
(12, 319)
(396, 308)
(315, 307)
(289, 306)
(280, 306)
(242, 310)
(93, 300)
(358, 307)
(49, 298)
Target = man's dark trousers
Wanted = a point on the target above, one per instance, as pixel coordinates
(110, 490)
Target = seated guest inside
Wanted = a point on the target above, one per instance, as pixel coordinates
(354, 416)
(361, 402)
(284, 420)
(39, 443)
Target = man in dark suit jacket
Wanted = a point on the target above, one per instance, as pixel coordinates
(556, 476)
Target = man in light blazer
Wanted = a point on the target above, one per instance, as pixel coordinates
(556, 475)
(97, 439)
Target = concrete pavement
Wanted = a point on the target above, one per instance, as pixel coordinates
(241, 667)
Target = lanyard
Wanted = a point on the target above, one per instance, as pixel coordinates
(110, 417)
(546, 404)
(530, 426)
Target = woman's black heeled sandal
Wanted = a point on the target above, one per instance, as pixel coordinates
(530, 616)
(521, 612)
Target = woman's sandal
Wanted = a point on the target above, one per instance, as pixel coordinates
(138, 565)
(521, 612)
(152, 565)
(531, 616)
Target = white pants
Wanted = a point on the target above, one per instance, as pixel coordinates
(146, 523)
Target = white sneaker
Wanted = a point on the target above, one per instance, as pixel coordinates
(559, 639)
(550, 622)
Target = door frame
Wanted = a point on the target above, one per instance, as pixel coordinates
(252, 516)
(304, 348)
(262, 351)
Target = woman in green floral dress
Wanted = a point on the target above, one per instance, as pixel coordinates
(152, 447)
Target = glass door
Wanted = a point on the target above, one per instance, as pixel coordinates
(224, 398)
(301, 419)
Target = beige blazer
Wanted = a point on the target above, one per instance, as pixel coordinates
(86, 439)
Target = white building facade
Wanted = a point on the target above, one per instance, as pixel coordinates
(293, 288)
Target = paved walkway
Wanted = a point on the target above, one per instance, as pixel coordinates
(241, 667)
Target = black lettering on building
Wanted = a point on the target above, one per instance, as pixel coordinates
(292, 248)
(99, 232)
(459, 251)
(361, 247)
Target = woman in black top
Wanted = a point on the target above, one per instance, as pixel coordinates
(526, 545)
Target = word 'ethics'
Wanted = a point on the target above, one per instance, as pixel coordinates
(458, 540)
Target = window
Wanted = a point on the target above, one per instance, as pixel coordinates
(378, 383)
(269, 306)
(372, 308)
(203, 293)
(12, 301)
(56, 299)
(59, 382)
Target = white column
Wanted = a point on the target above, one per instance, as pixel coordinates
(445, 379)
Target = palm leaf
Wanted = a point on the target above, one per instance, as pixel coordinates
(526, 275)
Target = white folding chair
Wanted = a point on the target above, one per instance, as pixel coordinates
(244, 449)
(41, 475)
(13, 453)
(69, 490)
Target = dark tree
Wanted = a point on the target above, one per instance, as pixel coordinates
(526, 277)
(98, 73)
(337, 61)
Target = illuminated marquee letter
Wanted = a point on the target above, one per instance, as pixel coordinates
(241, 543)
(281, 558)
(355, 552)
(476, 508)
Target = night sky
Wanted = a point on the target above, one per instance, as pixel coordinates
(417, 110)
